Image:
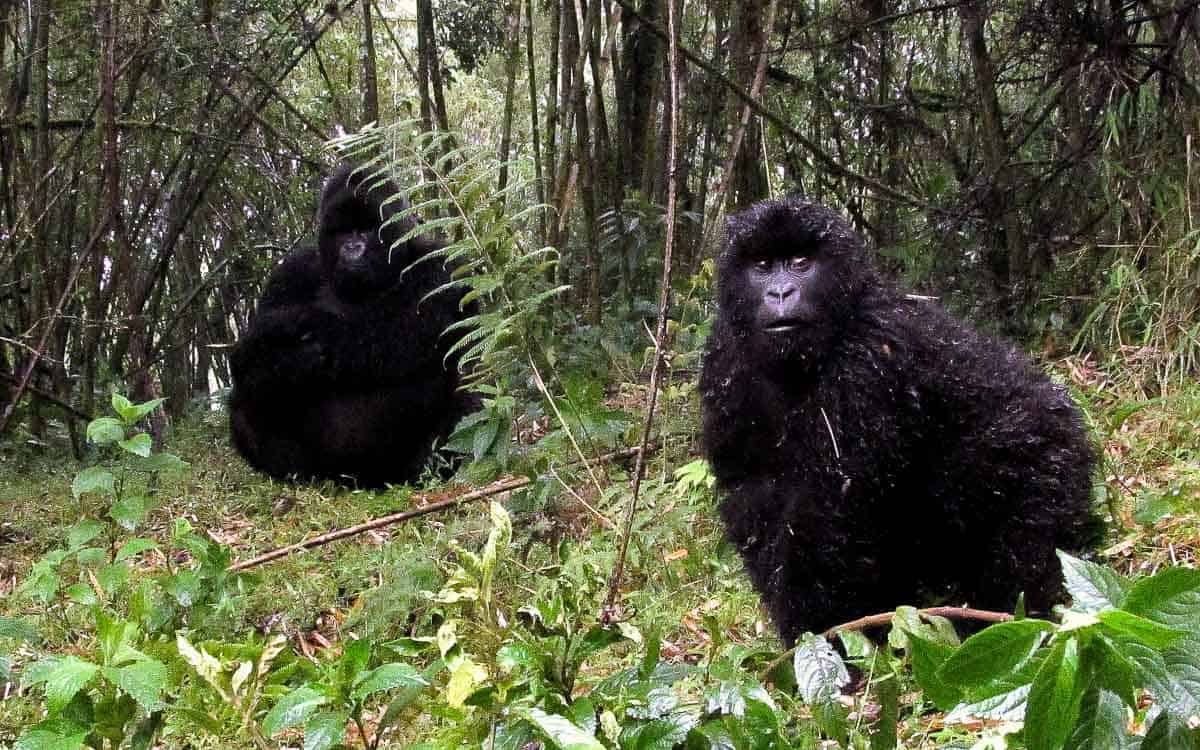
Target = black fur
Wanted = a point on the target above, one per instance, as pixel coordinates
(874, 451)
(342, 373)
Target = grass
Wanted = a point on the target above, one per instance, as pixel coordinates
(681, 582)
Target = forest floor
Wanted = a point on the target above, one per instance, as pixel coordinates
(681, 581)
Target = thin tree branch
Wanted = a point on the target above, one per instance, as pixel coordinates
(495, 488)
(608, 613)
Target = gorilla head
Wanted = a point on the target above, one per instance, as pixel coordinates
(790, 276)
(360, 226)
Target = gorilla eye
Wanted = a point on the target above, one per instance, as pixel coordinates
(762, 265)
(798, 263)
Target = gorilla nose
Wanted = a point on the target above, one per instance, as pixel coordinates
(780, 294)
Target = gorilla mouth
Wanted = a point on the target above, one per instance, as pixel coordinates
(782, 326)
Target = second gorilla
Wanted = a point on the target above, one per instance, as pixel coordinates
(343, 372)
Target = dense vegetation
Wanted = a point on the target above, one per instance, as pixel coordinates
(1033, 164)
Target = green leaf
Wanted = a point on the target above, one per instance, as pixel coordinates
(91, 557)
(1170, 733)
(927, 657)
(131, 413)
(144, 681)
(1006, 706)
(1147, 631)
(1092, 587)
(83, 532)
(1106, 668)
(41, 739)
(129, 511)
(81, 593)
(292, 710)
(94, 479)
(135, 547)
(63, 676)
(660, 734)
(139, 445)
(559, 731)
(167, 463)
(594, 641)
(388, 677)
(355, 657)
(1101, 724)
(820, 671)
(1171, 598)
(18, 630)
(105, 431)
(993, 652)
(325, 729)
(1054, 698)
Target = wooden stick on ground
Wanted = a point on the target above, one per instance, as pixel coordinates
(495, 488)
(953, 613)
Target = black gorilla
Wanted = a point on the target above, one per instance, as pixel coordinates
(873, 451)
(343, 373)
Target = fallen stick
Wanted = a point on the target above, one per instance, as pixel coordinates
(953, 613)
(496, 488)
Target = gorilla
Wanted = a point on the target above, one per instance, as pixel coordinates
(870, 449)
(343, 372)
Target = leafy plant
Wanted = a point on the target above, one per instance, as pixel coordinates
(323, 706)
(116, 698)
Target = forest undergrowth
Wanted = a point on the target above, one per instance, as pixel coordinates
(479, 626)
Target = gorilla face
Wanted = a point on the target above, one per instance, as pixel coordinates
(359, 232)
(788, 278)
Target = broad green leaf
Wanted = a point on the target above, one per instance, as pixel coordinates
(81, 593)
(167, 463)
(1054, 698)
(660, 734)
(83, 532)
(1105, 667)
(135, 547)
(1171, 597)
(1170, 733)
(887, 692)
(927, 657)
(1147, 631)
(94, 479)
(594, 641)
(91, 557)
(1006, 706)
(139, 445)
(18, 630)
(63, 676)
(41, 739)
(132, 413)
(388, 677)
(292, 710)
(560, 732)
(820, 672)
(325, 729)
(993, 652)
(1101, 724)
(355, 658)
(143, 680)
(129, 511)
(1092, 587)
(105, 431)
(113, 577)
(1172, 675)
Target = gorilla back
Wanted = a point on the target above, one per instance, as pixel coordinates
(342, 373)
(872, 450)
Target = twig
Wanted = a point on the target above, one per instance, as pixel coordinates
(608, 612)
(871, 621)
(496, 488)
